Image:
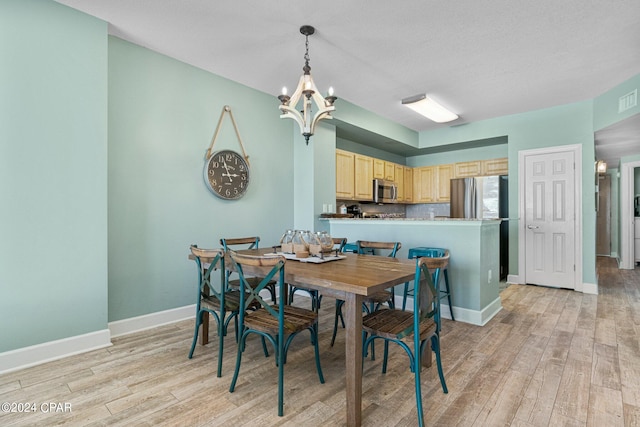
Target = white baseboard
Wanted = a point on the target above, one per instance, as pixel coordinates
(152, 320)
(465, 315)
(590, 288)
(53, 350)
(513, 279)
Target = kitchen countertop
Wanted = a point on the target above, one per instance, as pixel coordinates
(413, 219)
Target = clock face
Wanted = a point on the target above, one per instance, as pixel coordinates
(227, 174)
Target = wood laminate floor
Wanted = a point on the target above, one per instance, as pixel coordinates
(551, 357)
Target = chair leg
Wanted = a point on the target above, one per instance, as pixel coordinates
(339, 304)
(435, 346)
(195, 334)
(416, 373)
(314, 334)
(232, 387)
(386, 355)
(404, 297)
(221, 334)
(446, 283)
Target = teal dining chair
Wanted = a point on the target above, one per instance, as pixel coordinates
(218, 302)
(279, 323)
(397, 326)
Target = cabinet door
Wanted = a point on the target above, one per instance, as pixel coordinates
(467, 169)
(495, 167)
(378, 168)
(345, 174)
(399, 174)
(389, 171)
(444, 173)
(423, 184)
(363, 177)
(408, 185)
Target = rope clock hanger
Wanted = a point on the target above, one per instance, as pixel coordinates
(226, 172)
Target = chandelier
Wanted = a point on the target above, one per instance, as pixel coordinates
(307, 92)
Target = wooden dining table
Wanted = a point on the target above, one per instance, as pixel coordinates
(349, 279)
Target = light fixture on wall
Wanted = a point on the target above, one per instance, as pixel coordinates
(429, 108)
(601, 166)
(308, 92)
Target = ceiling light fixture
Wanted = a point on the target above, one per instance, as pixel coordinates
(305, 118)
(429, 108)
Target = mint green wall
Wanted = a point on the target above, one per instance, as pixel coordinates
(359, 118)
(162, 116)
(53, 173)
(564, 125)
(365, 150)
(605, 106)
(464, 155)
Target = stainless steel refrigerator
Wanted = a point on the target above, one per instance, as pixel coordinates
(484, 197)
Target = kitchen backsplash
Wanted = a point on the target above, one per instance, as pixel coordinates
(407, 211)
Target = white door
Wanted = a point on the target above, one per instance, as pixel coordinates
(550, 219)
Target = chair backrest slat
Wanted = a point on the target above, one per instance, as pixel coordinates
(252, 242)
(365, 246)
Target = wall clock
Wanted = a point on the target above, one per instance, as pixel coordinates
(227, 174)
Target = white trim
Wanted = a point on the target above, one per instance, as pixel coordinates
(626, 215)
(53, 350)
(465, 315)
(590, 288)
(577, 150)
(152, 320)
(513, 279)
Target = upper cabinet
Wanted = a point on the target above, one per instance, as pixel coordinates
(378, 168)
(399, 178)
(468, 169)
(389, 171)
(408, 185)
(345, 175)
(423, 184)
(495, 166)
(363, 177)
(443, 176)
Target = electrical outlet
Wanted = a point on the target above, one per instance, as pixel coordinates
(489, 279)
(325, 208)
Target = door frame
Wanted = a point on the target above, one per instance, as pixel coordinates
(577, 200)
(627, 257)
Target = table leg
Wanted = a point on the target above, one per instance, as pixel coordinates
(353, 356)
(204, 328)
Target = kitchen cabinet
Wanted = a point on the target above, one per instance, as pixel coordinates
(423, 184)
(363, 187)
(495, 166)
(378, 168)
(443, 175)
(408, 184)
(389, 171)
(345, 175)
(467, 169)
(399, 175)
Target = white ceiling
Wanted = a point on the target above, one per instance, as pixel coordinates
(479, 58)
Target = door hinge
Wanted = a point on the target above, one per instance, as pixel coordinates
(574, 267)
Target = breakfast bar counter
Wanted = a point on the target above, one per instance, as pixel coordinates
(474, 265)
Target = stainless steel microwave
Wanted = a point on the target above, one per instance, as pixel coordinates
(384, 191)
